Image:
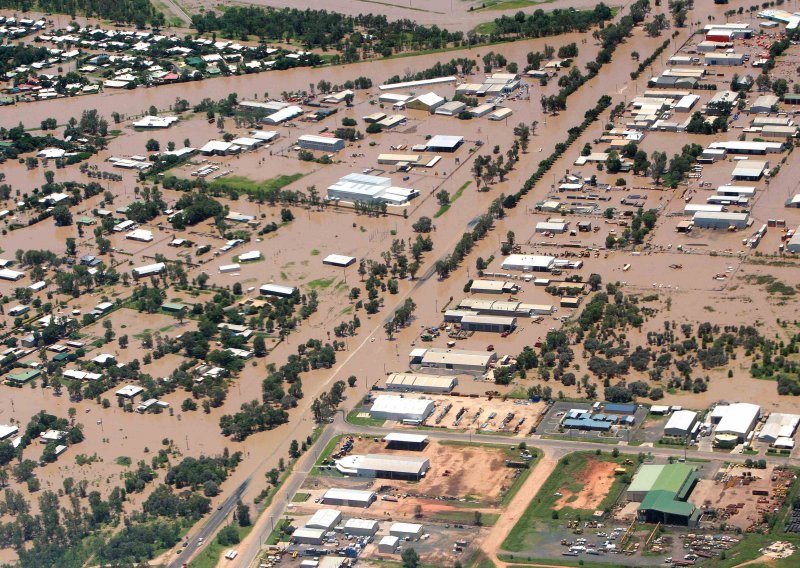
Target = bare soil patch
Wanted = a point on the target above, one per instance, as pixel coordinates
(598, 477)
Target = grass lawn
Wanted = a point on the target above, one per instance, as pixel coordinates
(245, 185)
(210, 556)
(354, 419)
(444, 208)
(479, 560)
(275, 536)
(320, 283)
(509, 4)
(565, 476)
(300, 497)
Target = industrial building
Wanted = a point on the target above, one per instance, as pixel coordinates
(384, 466)
(748, 148)
(388, 544)
(505, 307)
(428, 102)
(736, 420)
(324, 519)
(420, 83)
(722, 220)
(305, 535)
(662, 491)
(277, 290)
(681, 424)
(320, 143)
(399, 409)
(452, 108)
(793, 244)
(413, 382)
(492, 324)
(348, 497)
(441, 143)
(724, 59)
(339, 260)
(453, 359)
(749, 170)
(148, 270)
(493, 287)
(403, 441)
(528, 263)
(764, 103)
(552, 226)
(369, 189)
(779, 425)
(284, 114)
(361, 527)
(411, 531)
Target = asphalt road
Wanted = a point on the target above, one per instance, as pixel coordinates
(212, 524)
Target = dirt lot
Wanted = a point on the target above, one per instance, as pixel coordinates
(731, 488)
(598, 477)
(457, 470)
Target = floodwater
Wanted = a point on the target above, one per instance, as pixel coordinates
(293, 255)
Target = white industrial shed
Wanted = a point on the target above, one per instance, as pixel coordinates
(148, 270)
(453, 359)
(388, 544)
(390, 407)
(386, 466)
(793, 244)
(348, 497)
(720, 220)
(324, 519)
(361, 527)
(407, 382)
(737, 419)
(680, 423)
(528, 262)
(276, 290)
(412, 531)
(338, 260)
(779, 425)
(749, 170)
(305, 535)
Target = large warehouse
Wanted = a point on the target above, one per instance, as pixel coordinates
(493, 324)
(348, 497)
(413, 382)
(681, 423)
(385, 466)
(721, 220)
(398, 408)
(737, 419)
(361, 527)
(779, 425)
(324, 519)
(411, 531)
(320, 143)
(369, 189)
(662, 491)
(528, 263)
(453, 359)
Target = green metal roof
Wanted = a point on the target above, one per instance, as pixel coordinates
(23, 376)
(673, 477)
(665, 502)
(645, 478)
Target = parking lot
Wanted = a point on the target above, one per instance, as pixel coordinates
(551, 424)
